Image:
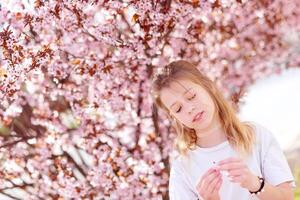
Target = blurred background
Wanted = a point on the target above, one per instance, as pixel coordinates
(76, 117)
(274, 103)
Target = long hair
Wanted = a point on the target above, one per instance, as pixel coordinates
(239, 134)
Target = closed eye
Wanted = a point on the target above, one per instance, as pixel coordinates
(188, 99)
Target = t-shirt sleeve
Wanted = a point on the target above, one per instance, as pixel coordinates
(275, 166)
(178, 187)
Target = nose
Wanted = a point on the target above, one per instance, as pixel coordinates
(191, 109)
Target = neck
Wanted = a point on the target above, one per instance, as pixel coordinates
(212, 136)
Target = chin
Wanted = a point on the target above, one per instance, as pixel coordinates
(203, 123)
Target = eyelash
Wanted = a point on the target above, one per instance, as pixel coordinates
(189, 99)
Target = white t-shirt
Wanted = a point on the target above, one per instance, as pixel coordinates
(267, 160)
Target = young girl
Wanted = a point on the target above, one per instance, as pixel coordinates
(220, 157)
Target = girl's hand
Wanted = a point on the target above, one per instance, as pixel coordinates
(209, 185)
(239, 172)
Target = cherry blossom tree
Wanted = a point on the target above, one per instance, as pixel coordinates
(76, 115)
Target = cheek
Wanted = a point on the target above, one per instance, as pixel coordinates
(210, 103)
(213, 106)
(183, 118)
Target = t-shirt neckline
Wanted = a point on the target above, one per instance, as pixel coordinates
(213, 148)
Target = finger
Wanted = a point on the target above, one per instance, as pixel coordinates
(236, 172)
(201, 183)
(236, 179)
(211, 186)
(212, 176)
(230, 159)
(205, 189)
(207, 180)
(218, 185)
(207, 173)
(231, 166)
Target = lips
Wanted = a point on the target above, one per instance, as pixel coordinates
(197, 116)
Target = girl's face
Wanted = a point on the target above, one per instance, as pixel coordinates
(185, 103)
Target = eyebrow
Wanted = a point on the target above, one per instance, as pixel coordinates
(182, 95)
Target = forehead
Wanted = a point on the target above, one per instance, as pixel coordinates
(170, 94)
(178, 87)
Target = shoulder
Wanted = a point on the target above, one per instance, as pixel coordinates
(177, 164)
(262, 133)
(176, 171)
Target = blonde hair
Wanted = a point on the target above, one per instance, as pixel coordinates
(239, 134)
